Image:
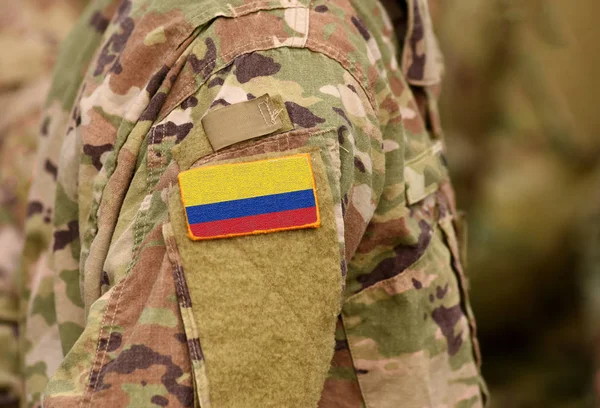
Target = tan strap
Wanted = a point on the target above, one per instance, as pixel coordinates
(246, 120)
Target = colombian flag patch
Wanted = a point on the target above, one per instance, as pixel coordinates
(228, 200)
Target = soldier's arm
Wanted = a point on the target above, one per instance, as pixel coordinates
(260, 292)
(268, 303)
(236, 184)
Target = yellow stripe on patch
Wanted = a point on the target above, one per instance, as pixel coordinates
(225, 182)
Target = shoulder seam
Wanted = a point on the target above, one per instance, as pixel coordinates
(335, 55)
(265, 43)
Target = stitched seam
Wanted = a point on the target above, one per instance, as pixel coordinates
(351, 351)
(239, 50)
(196, 349)
(177, 269)
(112, 320)
(262, 114)
(190, 328)
(431, 151)
(179, 285)
(295, 28)
(242, 50)
(273, 114)
(96, 354)
(451, 243)
(307, 24)
(337, 56)
(191, 88)
(246, 8)
(331, 52)
(100, 335)
(265, 143)
(314, 224)
(123, 284)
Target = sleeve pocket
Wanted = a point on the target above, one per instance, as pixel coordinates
(263, 307)
(415, 329)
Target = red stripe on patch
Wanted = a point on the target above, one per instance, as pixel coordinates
(277, 221)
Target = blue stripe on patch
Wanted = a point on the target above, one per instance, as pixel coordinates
(250, 206)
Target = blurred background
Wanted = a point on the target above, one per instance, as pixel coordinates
(522, 125)
(30, 34)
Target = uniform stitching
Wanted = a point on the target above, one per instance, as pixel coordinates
(315, 224)
(431, 151)
(183, 302)
(96, 354)
(262, 113)
(190, 328)
(189, 89)
(307, 24)
(260, 146)
(240, 50)
(122, 285)
(356, 72)
(295, 28)
(309, 43)
(354, 368)
(273, 114)
(243, 49)
(104, 316)
(247, 8)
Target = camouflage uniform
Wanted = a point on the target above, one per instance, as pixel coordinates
(369, 309)
(30, 31)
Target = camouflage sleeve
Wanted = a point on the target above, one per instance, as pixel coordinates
(235, 186)
(334, 122)
(329, 117)
(323, 103)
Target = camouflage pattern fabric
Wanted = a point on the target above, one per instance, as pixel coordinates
(111, 319)
(30, 31)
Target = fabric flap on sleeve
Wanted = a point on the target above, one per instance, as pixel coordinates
(424, 174)
(265, 305)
